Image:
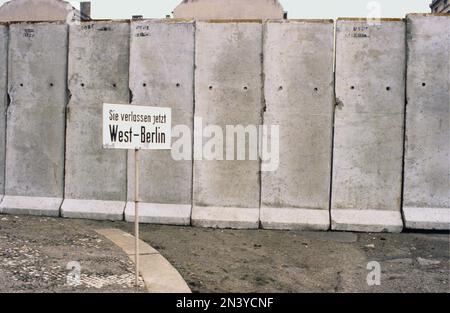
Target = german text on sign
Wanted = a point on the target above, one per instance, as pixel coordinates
(136, 127)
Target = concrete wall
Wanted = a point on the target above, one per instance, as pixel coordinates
(37, 10)
(228, 91)
(229, 9)
(299, 95)
(427, 161)
(3, 102)
(96, 179)
(36, 118)
(162, 74)
(368, 142)
(246, 73)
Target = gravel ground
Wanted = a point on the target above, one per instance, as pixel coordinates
(38, 255)
(34, 253)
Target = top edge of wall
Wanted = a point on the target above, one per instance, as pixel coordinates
(365, 19)
(224, 21)
(325, 21)
(64, 22)
(185, 20)
(104, 21)
(34, 22)
(164, 20)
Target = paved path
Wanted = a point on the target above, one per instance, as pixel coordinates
(158, 274)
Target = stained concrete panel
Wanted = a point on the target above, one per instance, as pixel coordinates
(228, 91)
(3, 102)
(162, 75)
(96, 178)
(299, 95)
(36, 118)
(427, 161)
(369, 126)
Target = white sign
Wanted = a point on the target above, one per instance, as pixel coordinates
(136, 127)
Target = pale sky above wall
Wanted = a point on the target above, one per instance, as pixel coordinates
(124, 9)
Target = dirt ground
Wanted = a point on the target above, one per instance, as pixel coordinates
(274, 261)
(229, 260)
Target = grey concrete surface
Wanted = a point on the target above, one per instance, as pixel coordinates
(126, 241)
(299, 96)
(369, 125)
(228, 91)
(235, 82)
(427, 160)
(36, 116)
(94, 209)
(3, 102)
(162, 75)
(164, 214)
(42, 206)
(98, 73)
